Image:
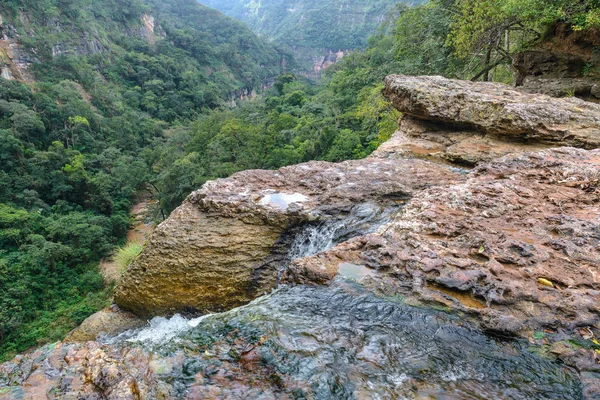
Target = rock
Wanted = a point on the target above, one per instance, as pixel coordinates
(581, 88)
(443, 143)
(82, 371)
(302, 342)
(511, 246)
(497, 109)
(108, 322)
(222, 248)
(485, 243)
(549, 64)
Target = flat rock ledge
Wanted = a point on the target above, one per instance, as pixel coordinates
(468, 123)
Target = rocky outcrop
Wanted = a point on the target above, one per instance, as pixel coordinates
(517, 243)
(511, 246)
(564, 64)
(14, 61)
(223, 246)
(470, 122)
(556, 75)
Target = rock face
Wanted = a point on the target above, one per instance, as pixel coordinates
(467, 122)
(516, 243)
(222, 248)
(564, 65)
(108, 322)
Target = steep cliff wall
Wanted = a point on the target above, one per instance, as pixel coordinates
(32, 38)
(318, 32)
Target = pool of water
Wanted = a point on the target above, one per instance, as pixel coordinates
(282, 200)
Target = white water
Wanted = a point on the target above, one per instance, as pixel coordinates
(311, 240)
(314, 239)
(160, 330)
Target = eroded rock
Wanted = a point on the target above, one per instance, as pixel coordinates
(223, 246)
(443, 143)
(497, 109)
(482, 246)
(108, 322)
(512, 246)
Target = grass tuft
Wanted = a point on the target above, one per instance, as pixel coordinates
(126, 254)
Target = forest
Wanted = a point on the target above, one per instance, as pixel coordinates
(310, 28)
(162, 116)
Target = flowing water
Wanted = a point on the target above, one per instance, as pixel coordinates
(343, 342)
(363, 219)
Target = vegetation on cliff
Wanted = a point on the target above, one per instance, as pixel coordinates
(309, 28)
(77, 144)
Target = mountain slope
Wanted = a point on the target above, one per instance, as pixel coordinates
(89, 93)
(311, 28)
(218, 55)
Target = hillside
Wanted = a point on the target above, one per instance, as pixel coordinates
(150, 47)
(318, 32)
(89, 92)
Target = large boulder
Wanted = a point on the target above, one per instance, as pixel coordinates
(223, 247)
(470, 122)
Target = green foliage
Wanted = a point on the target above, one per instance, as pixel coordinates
(79, 143)
(307, 27)
(126, 254)
(490, 32)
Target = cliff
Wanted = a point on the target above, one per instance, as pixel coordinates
(318, 32)
(53, 42)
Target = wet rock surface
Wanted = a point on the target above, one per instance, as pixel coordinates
(316, 343)
(222, 248)
(517, 243)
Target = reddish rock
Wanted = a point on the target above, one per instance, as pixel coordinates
(223, 246)
(514, 220)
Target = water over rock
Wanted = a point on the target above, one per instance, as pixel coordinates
(339, 342)
(517, 244)
(511, 246)
(224, 245)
